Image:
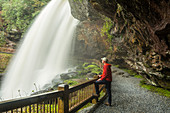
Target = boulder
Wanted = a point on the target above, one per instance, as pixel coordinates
(69, 75)
(91, 75)
(83, 10)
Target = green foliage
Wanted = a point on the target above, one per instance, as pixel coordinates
(117, 66)
(1, 2)
(18, 14)
(138, 76)
(93, 68)
(4, 60)
(102, 93)
(85, 106)
(158, 90)
(2, 39)
(71, 82)
(106, 29)
(85, 64)
(2, 42)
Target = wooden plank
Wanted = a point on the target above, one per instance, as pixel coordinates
(50, 106)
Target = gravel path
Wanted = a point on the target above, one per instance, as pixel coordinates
(129, 97)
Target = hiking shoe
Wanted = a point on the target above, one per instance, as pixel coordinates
(107, 104)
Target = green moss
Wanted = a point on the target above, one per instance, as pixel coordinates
(117, 66)
(85, 64)
(102, 93)
(96, 71)
(106, 29)
(2, 38)
(130, 72)
(143, 84)
(138, 76)
(158, 90)
(85, 106)
(5, 54)
(92, 68)
(71, 82)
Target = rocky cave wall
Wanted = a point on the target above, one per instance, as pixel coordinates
(140, 34)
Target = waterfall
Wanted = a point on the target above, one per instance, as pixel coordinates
(42, 53)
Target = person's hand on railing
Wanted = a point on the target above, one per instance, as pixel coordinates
(99, 76)
(98, 79)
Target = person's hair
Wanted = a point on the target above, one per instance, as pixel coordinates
(106, 61)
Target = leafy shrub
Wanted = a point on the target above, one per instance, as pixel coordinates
(93, 68)
(4, 60)
(19, 14)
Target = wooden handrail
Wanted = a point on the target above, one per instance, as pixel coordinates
(25, 101)
(82, 85)
(64, 100)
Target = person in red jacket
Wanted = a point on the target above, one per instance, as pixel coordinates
(105, 78)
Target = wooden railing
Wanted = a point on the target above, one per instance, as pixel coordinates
(46, 102)
(64, 100)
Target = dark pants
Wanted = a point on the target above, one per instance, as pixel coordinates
(108, 88)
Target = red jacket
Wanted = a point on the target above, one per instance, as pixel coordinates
(107, 73)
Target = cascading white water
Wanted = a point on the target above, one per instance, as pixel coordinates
(43, 52)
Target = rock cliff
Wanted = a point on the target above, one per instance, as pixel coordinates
(133, 32)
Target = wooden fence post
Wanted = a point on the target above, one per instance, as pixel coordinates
(94, 101)
(63, 103)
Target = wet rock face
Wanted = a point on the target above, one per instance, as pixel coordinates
(82, 10)
(140, 30)
(155, 16)
(147, 38)
(89, 43)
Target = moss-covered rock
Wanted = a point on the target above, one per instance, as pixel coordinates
(71, 82)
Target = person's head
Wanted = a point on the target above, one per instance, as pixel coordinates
(104, 60)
